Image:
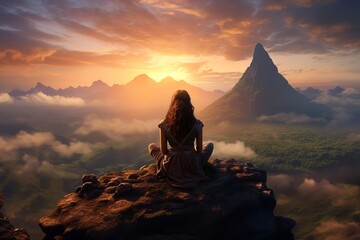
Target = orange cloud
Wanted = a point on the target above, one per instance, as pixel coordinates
(334, 230)
(69, 33)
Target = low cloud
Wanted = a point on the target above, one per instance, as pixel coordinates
(237, 149)
(290, 118)
(344, 103)
(350, 92)
(341, 116)
(10, 146)
(43, 99)
(5, 98)
(71, 149)
(344, 99)
(354, 136)
(335, 230)
(281, 182)
(322, 189)
(116, 128)
(314, 190)
(325, 196)
(339, 194)
(33, 165)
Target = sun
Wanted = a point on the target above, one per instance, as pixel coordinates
(161, 73)
(161, 66)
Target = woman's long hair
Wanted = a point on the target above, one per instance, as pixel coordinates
(180, 116)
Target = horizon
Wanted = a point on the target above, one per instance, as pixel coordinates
(301, 87)
(207, 44)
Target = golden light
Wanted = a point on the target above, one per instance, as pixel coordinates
(163, 72)
(161, 66)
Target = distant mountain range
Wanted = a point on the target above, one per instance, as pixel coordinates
(141, 92)
(262, 90)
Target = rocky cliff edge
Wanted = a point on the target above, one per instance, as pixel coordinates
(7, 230)
(135, 204)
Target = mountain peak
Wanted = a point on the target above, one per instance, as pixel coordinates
(167, 79)
(99, 83)
(141, 80)
(259, 47)
(335, 91)
(261, 90)
(142, 77)
(261, 57)
(39, 84)
(39, 87)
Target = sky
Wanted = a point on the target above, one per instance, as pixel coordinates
(208, 43)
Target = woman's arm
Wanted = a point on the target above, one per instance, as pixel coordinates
(163, 142)
(199, 141)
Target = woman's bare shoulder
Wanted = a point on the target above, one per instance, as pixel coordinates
(162, 123)
(199, 125)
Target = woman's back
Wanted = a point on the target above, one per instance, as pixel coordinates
(185, 142)
(181, 165)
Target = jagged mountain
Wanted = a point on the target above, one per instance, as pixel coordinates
(39, 87)
(262, 90)
(311, 92)
(142, 92)
(335, 91)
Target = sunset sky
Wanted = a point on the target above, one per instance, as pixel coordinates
(208, 43)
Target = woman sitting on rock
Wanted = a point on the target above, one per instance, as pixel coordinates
(181, 165)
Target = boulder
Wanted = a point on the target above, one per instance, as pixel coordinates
(135, 204)
(90, 178)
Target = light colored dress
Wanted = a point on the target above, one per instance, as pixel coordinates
(182, 166)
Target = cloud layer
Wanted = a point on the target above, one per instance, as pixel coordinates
(236, 150)
(290, 118)
(348, 97)
(116, 128)
(344, 102)
(337, 230)
(41, 98)
(15, 147)
(5, 98)
(318, 200)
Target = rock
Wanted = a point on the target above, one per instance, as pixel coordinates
(151, 179)
(89, 190)
(78, 189)
(111, 189)
(284, 226)
(123, 189)
(113, 182)
(217, 161)
(21, 234)
(7, 230)
(90, 178)
(133, 176)
(233, 205)
(87, 187)
(143, 168)
(53, 226)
